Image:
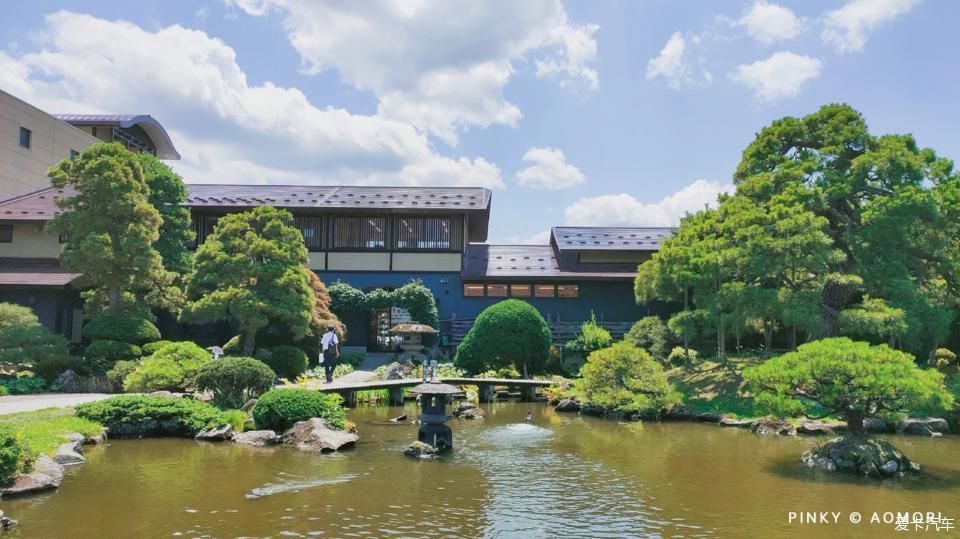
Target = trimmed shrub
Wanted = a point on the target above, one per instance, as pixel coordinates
(111, 351)
(652, 334)
(50, 368)
(121, 327)
(287, 361)
(234, 380)
(679, 356)
(24, 383)
(943, 359)
(624, 378)
(143, 415)
(508, 333)
(13, 457)
(119, 372)
(152, 347)
(12, 314)
(592, 337)
(171, 368)
(23, 340)
(279, 409)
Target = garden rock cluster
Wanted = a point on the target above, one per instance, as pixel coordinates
(769, 426)
(47, 472)
(860, 455)
(468, 410)
(316, 435)
(258, 438)
(420, 450)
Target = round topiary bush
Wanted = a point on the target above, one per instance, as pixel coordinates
(624, 378)
(234, 380)
(508, 333)
(279, 409)
(287, 361)
(111, 351)
(172, 368)
(121, 327)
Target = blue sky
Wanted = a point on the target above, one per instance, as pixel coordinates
(584, 113)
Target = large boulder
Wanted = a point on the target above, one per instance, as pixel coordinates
(471, 413)
(876, 425)
(215, 434)
(46, 475)
(316, 435)
(70, 453)
(258, 438)
(860, 455)
(727, 421)
(394, 371)
(816, 427)
(593, 409)
(708, 417)
(420, 450)
(567, 405)
(768, 426)
(71, 382)
(926, 426)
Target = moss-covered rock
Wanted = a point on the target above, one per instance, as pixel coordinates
(860, 455)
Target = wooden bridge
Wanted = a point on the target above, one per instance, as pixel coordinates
(485, 386)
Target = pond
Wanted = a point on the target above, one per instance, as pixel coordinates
(562, 476)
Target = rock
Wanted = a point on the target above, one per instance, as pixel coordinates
(567, 405)
(71, 382)
(247, 406)
(258, 438)
(858, 454)
(735, 422)
(6, 522)
(420, 450)
(399, 418)
(470, 413)
(679, 413)
(875, 425)
(394, 371)
(708, 417)
(816, 427)
(316, 435)
(463, 406)
(69, 453)
(95, 439)
(163, 394)
(46, 475)
(75, 437)
(923, 426)
(768, 426)
(215, 434)
(592, 409)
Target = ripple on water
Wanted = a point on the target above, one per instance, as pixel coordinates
(296, 485)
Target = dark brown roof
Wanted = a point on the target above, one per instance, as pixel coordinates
(36, 206)
(34, 272)
(609, 238)
(535, 261)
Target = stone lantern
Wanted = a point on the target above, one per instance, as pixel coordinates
(434, 397)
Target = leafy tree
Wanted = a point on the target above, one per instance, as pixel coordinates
(121, 327)
(507, 333)
(625, 378)
(111, 227)
(171, 368)
(837, 376)
(167, 193)
(592, 337)
(651, 334)
(251, 269)
(235, 380)
(24, 340)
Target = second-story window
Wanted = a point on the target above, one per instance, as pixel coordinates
(311, 228)
(427, 233)
(25, 135)
(359, 232)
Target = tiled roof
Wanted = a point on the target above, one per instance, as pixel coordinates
(533, 261)
(352, 197)
(584, 238)
(41, 206)
(34, 272)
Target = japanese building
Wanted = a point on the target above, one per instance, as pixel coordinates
(368, 237)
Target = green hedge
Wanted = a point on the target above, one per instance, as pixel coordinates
(133, 416)
(279, 409)
(234, 380)
(287, 361)
(111, 351)
(121, 327)
(13, 456)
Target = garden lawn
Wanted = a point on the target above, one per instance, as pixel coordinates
(711, 386)
(42, 431)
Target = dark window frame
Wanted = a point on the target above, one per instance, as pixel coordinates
(483, 290)
(26, 137)
(424, 230)
(6, 233)
(337, 238)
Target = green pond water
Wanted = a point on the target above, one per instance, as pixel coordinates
(562, 476)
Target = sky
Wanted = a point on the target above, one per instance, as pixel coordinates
(594, 113)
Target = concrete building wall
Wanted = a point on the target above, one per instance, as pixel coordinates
(358, 261)
(30, 240)
(426, 262)
(24, 170)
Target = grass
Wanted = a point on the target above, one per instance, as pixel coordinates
(373, 395)
(712, 386)
(42, 431)
(235, 418)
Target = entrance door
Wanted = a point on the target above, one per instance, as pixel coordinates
(381, 320)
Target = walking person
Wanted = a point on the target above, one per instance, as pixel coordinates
(329, 352)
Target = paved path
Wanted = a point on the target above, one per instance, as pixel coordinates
(25, 403)
(365, 370)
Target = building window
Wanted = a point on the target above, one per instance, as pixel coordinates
(93, 131)
(568, 291)
(497, 290)
(544, 291)
(25, 138)
(203, 226)
(74, 154)
(473, 290)
(427, 233)
(311, 228)
(520, 290)
(359, 232)
(6, 233)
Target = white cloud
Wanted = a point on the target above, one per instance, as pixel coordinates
(677, 63)
(779, 76)
(625, 210)
(769, 23)
(239, 131)
(540, 238)
(440, 66)
(549, 170)
(847, 28)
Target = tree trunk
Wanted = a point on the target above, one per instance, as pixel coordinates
(113, 297)
(854, 423)
(248, 342)
(793, 338)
